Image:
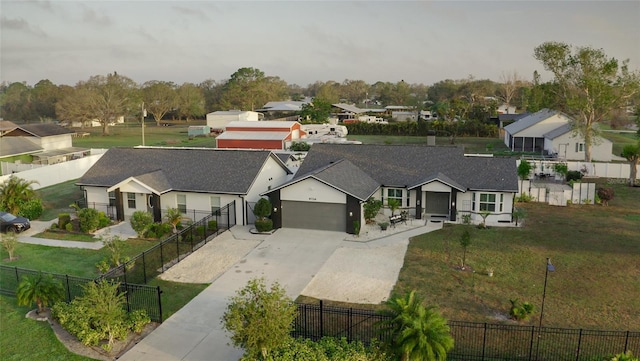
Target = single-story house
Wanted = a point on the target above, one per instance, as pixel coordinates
(218, 120)
(274, 135)
(334, 181)
(549, 132)
(196, 181)
(344, 111)
(47, 143)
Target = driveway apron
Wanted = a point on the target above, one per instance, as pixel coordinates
(289, 256)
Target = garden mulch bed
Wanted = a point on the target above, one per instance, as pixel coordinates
(95, 352)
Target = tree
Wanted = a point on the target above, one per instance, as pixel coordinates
(509, 86)
(14, 192)
(259, 319)
(9, 242)
(16, 103)
(40, 289)
(371, 208)
(393, 204)
(465, 242)
(632, 153)
(141, 221)
(524, 168)
(417, 332)
(317, 111)
(159, 98)
(101, 98)
(173, 217)
(590, 85)
(190, 101)
(249, 89)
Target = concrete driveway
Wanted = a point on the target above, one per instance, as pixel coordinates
(290, 256)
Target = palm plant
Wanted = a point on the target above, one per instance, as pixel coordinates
(14, 192)
(40, 289)
(173, 217)
(417, 332)
(393, 204)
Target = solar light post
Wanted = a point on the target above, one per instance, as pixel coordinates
(551, 268)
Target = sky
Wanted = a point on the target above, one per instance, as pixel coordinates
(302, 42)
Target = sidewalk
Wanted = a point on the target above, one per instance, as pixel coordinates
(122, 230)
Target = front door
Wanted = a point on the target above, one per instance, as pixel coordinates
(153, 206)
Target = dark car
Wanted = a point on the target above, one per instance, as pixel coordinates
(11, 223)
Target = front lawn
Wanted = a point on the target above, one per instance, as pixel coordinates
(595, 251)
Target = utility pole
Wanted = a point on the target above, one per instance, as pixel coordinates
(143, 113)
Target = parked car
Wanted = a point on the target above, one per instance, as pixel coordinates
(11, 223)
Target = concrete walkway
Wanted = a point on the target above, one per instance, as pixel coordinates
(122, 230)
(290, 256)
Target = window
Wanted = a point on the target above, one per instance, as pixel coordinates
(215, 204)
(131, 200)
(112, 198)
(395, 193)
(579, 147)
(487, 202)
(182, 203)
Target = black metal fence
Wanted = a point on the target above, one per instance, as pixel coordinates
(157, 259)
(475, 341)
(138, 297)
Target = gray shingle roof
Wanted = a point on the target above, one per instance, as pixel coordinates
(17, 145)
(412, 165)
(188, 170)
(45, 129)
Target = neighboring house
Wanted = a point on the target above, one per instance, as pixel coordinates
(334, 181)
(505, 108)
(276, 135)
(344, 111)
(402, 113)
(47, 143)
(218, 121)
(287, 106)
(196, 181)
(548, 132)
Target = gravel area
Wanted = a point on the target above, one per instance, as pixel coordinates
(211, 260)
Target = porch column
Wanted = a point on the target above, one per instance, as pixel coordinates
(453, 205)
(419, 202)
(119, 205)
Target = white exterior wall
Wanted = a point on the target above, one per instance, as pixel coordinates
(311, 190)
(220, 121)
(599, 152)
(56, 142)
(270, 176)
(464, 204)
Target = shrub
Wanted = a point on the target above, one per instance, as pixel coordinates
(262, 209)
(259, 319)
(31, 209)
(63, 219)
(574, 175)
(9, 242)
(627, 356)
(53, 226)
(141, 221)
(200, 231)
(103, 220)
(605, 195)
(68, 227)
(40, 289)
(327, 349)
(213, 225)
(89, 220)
(520, 311)
(264, 225)
(300, 146)
(371, 208)
(524, 198)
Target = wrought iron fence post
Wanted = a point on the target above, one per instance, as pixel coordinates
(350, 324)
(484, 340)
(579, 343)
(321, 319)
(161, 257)
(533, 335)
(17, 276)
(126, 295)
(68, 288)
(178, 236)
(626, 341)
(159, 293)
(144, 268)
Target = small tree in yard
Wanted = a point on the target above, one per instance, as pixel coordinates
(9, 242)
(393, 204)
(632, 153)
(14, 192)
(140, 222)
(417, 332)
(259, 319)
(605, 195)
(465, 242)
(173, 217)
(262, 210)
(40, 289)
(371, 208)
(524, 168)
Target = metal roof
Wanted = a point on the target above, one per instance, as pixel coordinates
(240, 135)
(530, 120)
(349, 108)
(44, 129)
(10, 146)
(262, 124)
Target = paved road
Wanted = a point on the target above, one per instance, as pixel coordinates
(290, 256)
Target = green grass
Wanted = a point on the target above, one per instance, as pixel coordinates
(25, 339)
(78, 237)
(620, 140)
(595, 251)
(57, 198)
(130, 134)
(175, 295)
(71, 261)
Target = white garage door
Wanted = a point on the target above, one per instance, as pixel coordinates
(322, 216)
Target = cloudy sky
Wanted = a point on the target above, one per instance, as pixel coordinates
(302, 41)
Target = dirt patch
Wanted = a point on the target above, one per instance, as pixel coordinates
(73, 345)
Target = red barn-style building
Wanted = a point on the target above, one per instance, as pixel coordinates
(259, 135)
